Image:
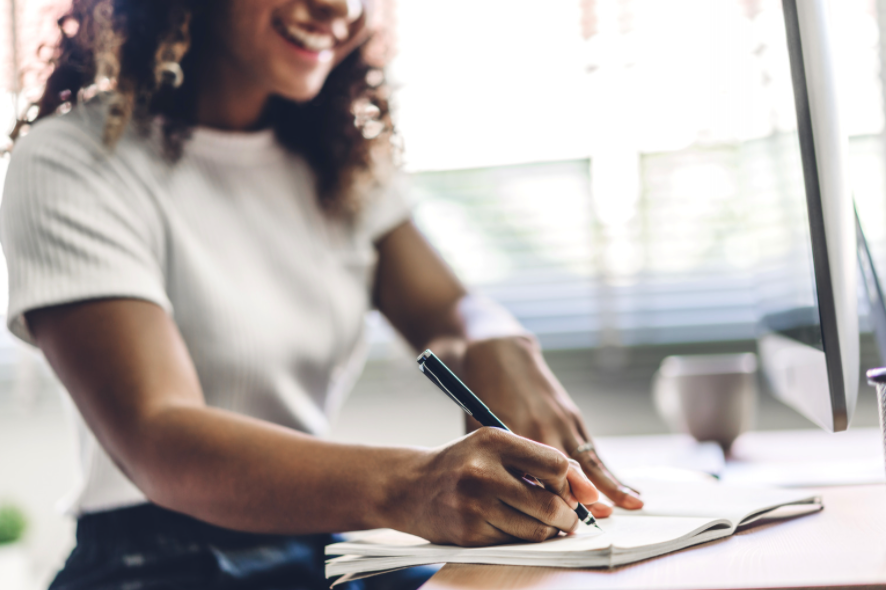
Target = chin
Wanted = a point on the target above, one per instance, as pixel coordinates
(300, 96)
(303, 91)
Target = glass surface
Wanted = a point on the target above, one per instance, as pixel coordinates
(785, 283)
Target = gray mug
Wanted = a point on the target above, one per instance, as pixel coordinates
(711, 397)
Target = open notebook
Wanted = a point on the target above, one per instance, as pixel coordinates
(675, 516)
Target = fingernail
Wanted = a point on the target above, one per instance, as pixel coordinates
(632, 501)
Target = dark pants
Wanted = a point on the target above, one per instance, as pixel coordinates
(149, 548)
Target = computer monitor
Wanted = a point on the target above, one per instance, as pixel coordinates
(809, 342)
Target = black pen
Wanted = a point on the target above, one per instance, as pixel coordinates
(440, 375)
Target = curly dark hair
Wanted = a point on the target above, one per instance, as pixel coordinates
(115, 46)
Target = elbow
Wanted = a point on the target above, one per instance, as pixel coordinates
(146, 473)
(151, 459)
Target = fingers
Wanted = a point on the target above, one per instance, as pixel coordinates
(521, 454)
(564, 483)
(552, 469)
(623, 496)
(581, 487)
(581, 428)
(541, 505)
(488, 498)
(593, 466)
(486, 534)
(607, 483)
(548, 465)
(520, 525)
(600, 510)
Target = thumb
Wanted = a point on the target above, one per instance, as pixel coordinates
(581, 487)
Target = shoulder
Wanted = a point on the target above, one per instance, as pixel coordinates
(75, 139)
(387, 207)
(57, 163)
(76, 222)
(58, 152)
(76, 133)
(61, 174)
(67, 150)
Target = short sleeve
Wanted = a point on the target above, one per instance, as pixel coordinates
(74, 226)
(390, 207)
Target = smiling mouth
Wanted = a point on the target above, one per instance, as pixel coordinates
(305, 39)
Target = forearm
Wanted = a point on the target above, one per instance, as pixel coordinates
(469, 320)
(249, 475)
(428, 305)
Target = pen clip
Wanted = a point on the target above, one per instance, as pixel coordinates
(426, 369)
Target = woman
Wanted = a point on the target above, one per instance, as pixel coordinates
(193, 247)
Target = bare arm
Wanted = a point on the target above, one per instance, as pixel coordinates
(427, 303)
(128, 370)
(489, 350)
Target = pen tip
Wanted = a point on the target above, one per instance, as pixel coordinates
(597, 526)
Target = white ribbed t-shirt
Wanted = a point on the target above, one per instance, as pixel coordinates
(268, 291)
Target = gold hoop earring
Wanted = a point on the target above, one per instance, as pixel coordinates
(168, 70)
(171, 73)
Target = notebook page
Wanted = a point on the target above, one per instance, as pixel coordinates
(622, 531)
(712, 500)
(632, 538)
(619, 531)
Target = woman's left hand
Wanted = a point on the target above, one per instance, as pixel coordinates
(511, 377)
(488, 349)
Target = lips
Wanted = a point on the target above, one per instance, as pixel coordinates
(308, 40)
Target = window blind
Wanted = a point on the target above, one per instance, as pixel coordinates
(647, 137)
(662, 225)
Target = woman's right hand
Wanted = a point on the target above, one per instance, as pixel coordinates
(128, 370)
(472, 492)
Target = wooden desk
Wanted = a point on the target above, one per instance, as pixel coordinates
(843, 546)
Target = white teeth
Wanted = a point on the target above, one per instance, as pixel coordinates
(311, 41)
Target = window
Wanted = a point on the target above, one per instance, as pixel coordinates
(599, 165)
(614, 171)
